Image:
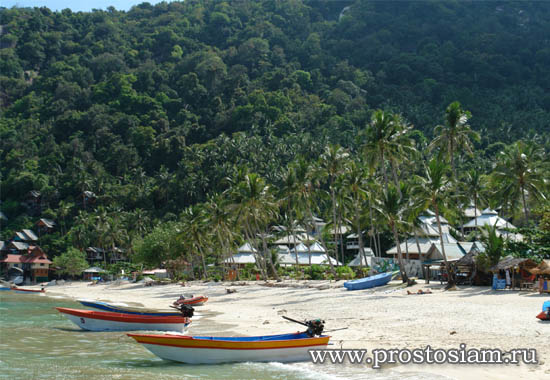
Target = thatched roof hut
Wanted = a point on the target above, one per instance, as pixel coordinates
(468, 260)
(510, 262)
(542, 268)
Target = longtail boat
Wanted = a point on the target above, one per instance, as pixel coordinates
(106, 321)
(123, 308)
(22, 290)
(210, 350)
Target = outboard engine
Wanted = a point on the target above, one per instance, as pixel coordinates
(315, 327)
(186, 310)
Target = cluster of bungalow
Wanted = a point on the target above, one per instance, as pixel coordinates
(22, 256)
(422, 251)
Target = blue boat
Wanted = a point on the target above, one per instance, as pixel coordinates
(126, 309)
(369, 282)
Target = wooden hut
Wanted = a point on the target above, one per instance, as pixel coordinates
(543, 273)
(519, 269)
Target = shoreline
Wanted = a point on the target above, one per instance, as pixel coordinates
(384, 317)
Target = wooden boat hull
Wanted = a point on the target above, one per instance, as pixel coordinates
(104, 306)
(106, 321)
(369, 282)
(212, 350)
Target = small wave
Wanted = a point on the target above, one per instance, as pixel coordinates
(299, 371)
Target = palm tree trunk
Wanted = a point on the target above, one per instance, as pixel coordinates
(294, 242)
(417, 244)
(334, 227)
(399, 255)
(475, 209)
(267, 254)
(203, 262)
(248, 234)
(524, 204)
(395, 179)
(451, 280)
(373, 231)
(383, 167)
(360, 240)
(309, 232)
(379, 245)
(340, 238)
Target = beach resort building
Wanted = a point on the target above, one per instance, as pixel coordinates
(96, 254)
(314, 254)
(45, 226)
(246, 254)
(34, 264)
(424, 250)
(490, 217)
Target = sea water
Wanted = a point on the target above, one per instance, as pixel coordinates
(36, 342)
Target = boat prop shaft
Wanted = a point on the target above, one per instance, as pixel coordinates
(295, 321)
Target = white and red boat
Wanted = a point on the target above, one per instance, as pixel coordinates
(209, 350)
(22, 290)
(107, 321)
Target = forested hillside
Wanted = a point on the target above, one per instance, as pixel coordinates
(154, 109)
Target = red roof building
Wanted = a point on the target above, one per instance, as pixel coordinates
(35, 261)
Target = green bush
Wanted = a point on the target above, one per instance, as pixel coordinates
(317, 272)
(345, 273)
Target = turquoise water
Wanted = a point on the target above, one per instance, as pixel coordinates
(36, 342)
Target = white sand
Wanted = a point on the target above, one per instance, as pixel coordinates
(383, 318)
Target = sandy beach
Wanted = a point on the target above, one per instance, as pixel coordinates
(385, 317)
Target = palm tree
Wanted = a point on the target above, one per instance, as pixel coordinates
(254, 207)
(356, 183)
(194, 233)
(220, 220)
(332, 165)
(63, 211)
(493, 244)
(469, 192)
(456, 135)
(518, 174)
(289, 194)
(393, 208)
(304, 172)
(432, 190)
(387, 140)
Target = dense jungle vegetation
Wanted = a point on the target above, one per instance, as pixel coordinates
(182, 117)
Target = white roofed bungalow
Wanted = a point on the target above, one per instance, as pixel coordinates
(290, 240)
(318, 256)
(246, 254)
(490, 217)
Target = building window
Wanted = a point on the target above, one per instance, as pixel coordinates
(41, 264)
